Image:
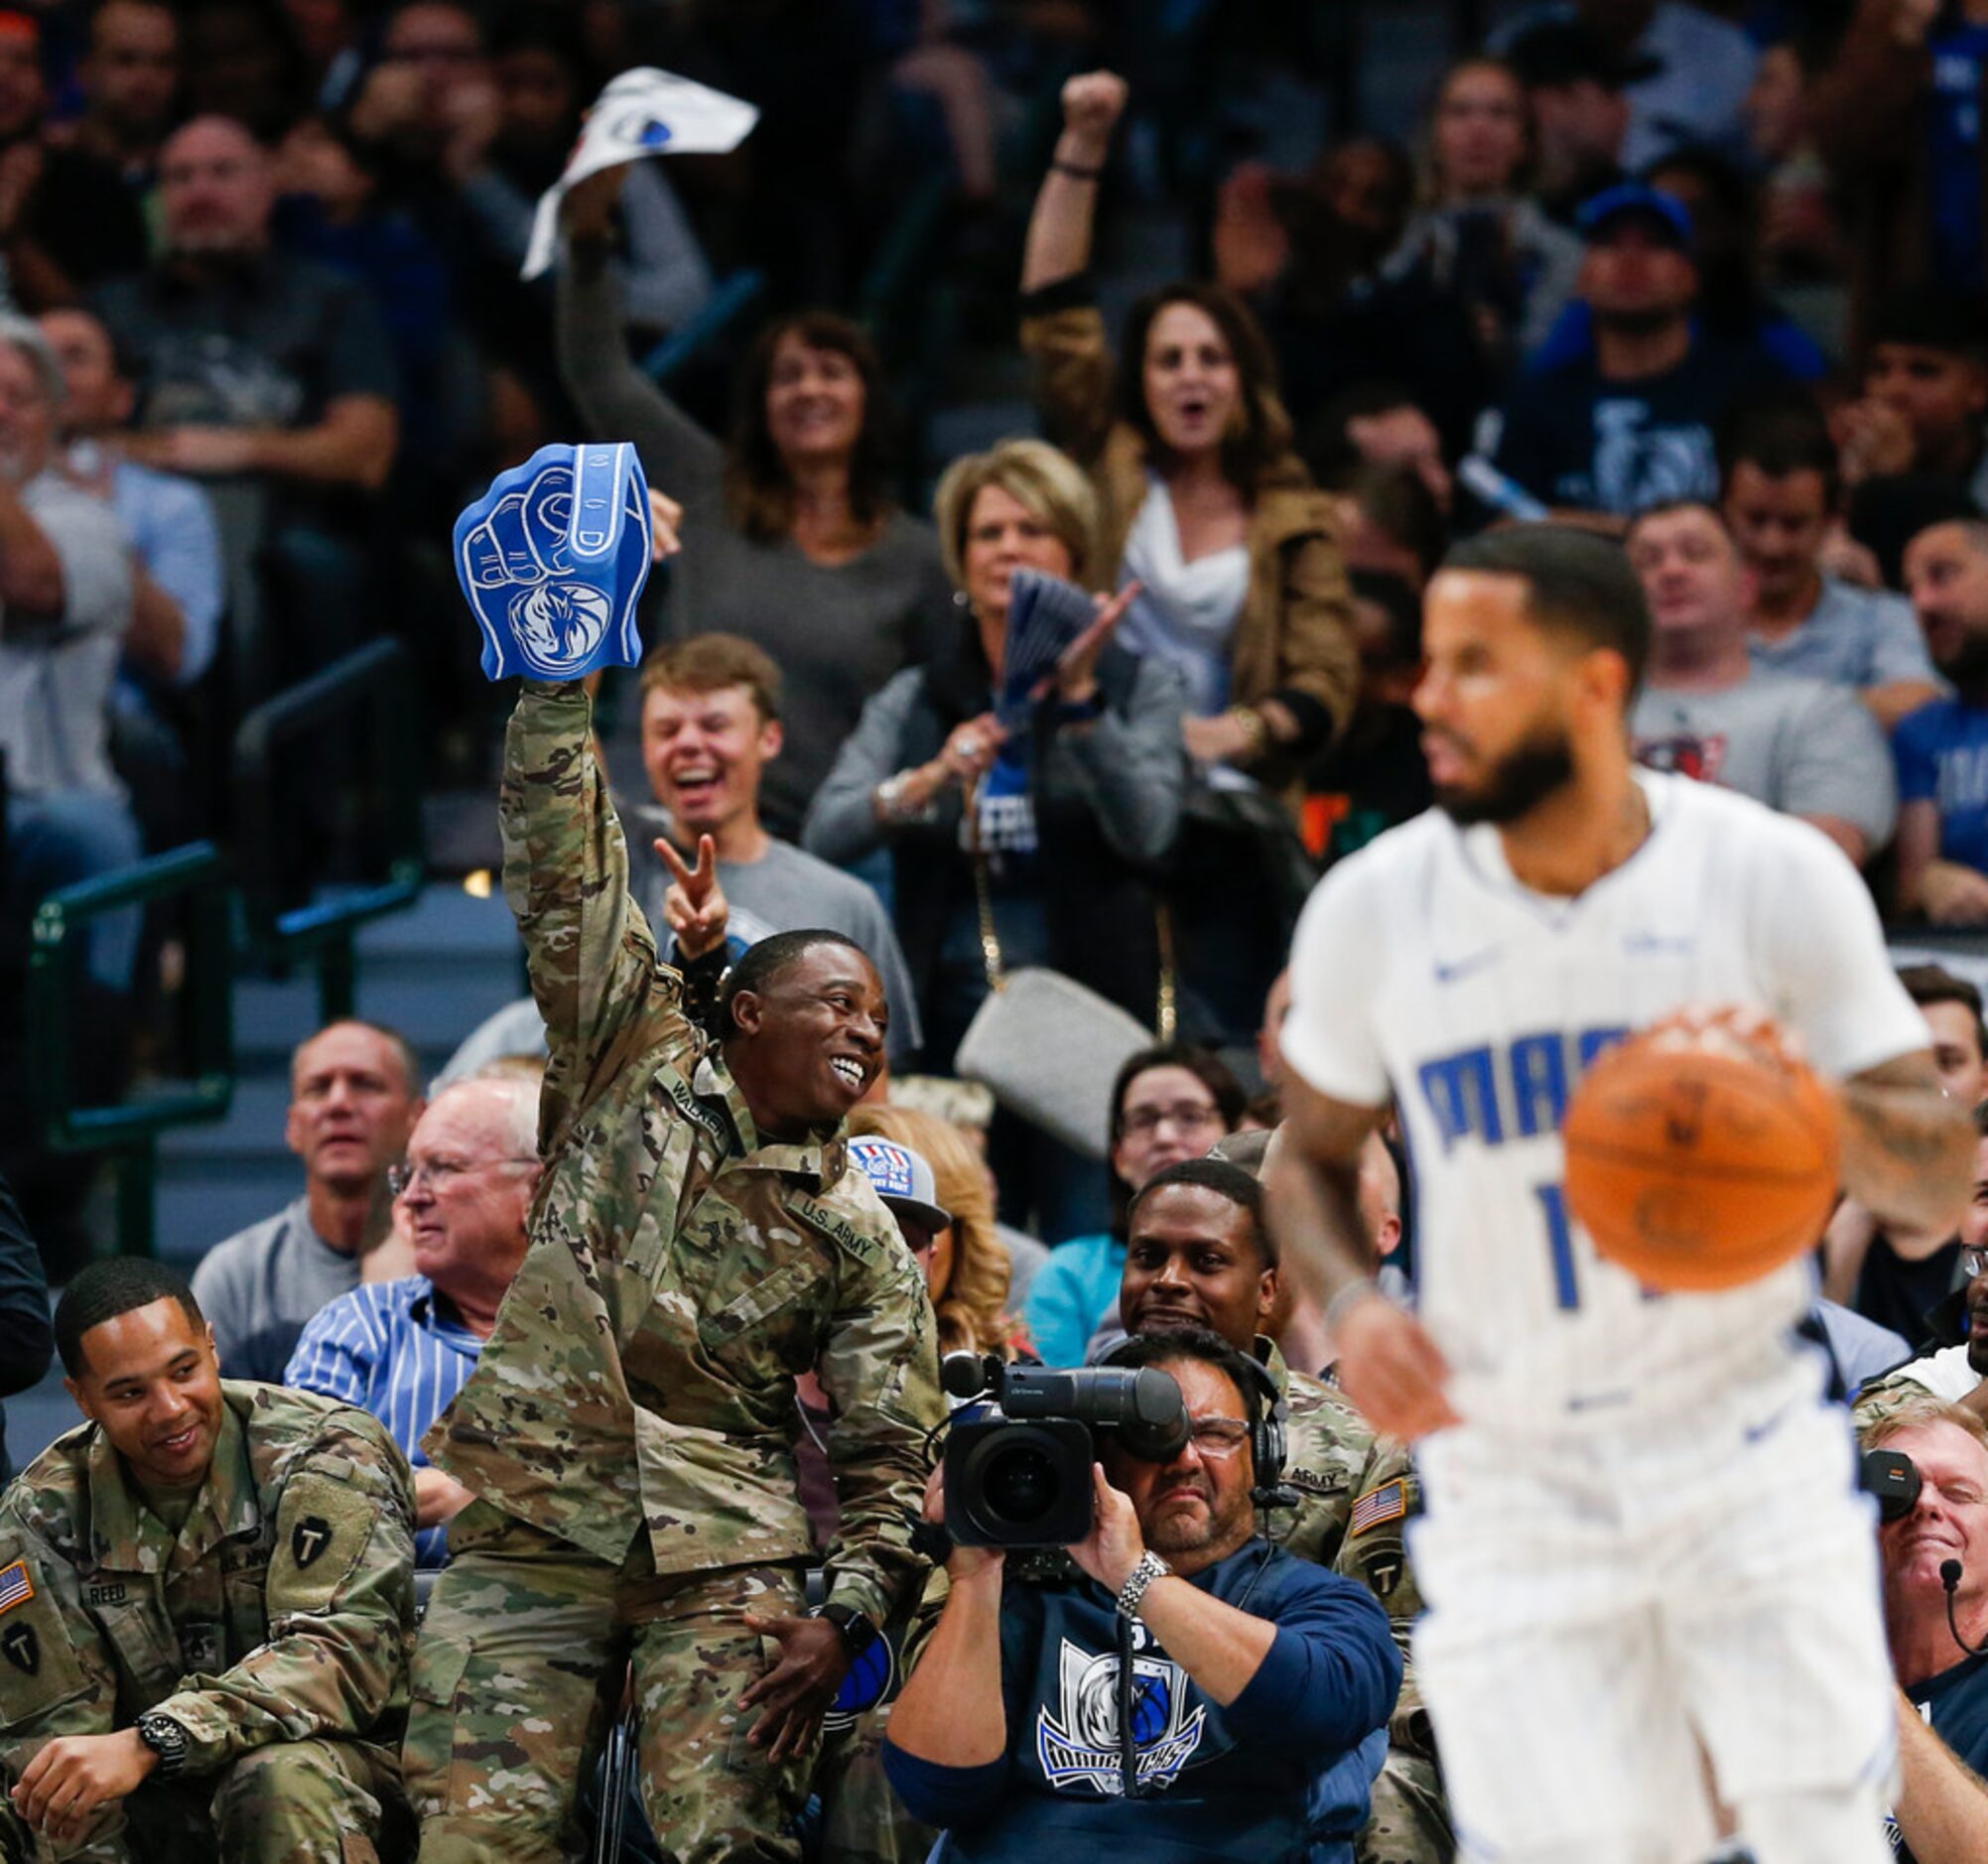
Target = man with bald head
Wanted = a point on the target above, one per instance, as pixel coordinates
(267, 375)
(403, 1349)
(1942, 748)
(354, 1098)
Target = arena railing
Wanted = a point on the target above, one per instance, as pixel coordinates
(194, 879)
(372, 689)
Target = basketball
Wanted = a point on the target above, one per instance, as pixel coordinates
(1699, 1168)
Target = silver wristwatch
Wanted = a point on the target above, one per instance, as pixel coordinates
(1133, 1593)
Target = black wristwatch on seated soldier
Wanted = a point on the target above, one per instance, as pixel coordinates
(167, 1739)
(858, 1632)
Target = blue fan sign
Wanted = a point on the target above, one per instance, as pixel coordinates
(552, 560)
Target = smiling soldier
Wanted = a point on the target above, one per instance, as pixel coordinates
(696, 1242)
(206, 1598)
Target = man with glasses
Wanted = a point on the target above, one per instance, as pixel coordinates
(1169, 1103)
(354, 1096)
(1254, 1675)
(403, 1349)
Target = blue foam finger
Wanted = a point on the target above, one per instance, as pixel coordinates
(552, 560)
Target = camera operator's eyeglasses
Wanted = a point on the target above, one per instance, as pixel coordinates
(1188, 1118)
(1220, 1436)
(1973, 1263)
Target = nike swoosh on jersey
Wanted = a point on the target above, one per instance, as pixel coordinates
(1656, 945)
(1465, 967)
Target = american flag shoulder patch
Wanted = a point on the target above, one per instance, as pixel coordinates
(1390, 1501)
(16, 1588)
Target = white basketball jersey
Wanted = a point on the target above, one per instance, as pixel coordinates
(1422, 969)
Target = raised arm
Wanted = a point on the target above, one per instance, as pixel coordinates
(1060, 228)
(617, 401)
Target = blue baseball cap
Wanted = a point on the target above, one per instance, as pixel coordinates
(1638, 197)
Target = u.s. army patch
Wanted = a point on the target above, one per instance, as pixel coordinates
(16, 1587)
(324, 1524)
(22, 1648)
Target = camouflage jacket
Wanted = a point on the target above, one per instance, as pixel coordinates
(681, 1273)
(284, 1608)
(1356, 1495)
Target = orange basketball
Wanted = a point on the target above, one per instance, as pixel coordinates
(1697, 1170)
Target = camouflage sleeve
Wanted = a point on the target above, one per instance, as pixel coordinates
(340, 1604)
(1882, 1396)
(592, 955)
(1375, 1554)
(57, 1673)
(880, 1371)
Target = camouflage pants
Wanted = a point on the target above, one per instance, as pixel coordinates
(292, 1803)
(1411, 1821)
(523, 1645)
(862, 1820)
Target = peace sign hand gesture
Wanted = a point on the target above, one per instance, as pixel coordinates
(695, 905)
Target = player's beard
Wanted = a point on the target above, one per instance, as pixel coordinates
(1542, 765)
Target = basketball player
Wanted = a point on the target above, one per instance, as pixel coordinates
(1640, 1535)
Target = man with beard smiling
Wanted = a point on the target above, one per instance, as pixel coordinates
(697, 1240)
(1942, 748)
(207, 1599)
(1256, 1673)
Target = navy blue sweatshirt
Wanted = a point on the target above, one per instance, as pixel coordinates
(1212, 1781)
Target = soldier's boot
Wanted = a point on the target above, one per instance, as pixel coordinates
(306, 1802)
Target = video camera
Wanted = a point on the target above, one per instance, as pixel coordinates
(1018, 1470)
(1894, 1479)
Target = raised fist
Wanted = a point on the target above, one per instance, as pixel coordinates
(1093, 102)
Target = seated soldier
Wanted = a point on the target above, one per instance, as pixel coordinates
(206, 1602)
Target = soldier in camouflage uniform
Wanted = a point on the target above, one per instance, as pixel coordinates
(207, 1605)
(1198, 1255)
(696, 1242)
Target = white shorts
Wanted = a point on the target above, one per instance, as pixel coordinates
(1597, 1601)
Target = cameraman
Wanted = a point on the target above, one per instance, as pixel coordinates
(1942, 1802)
(1252, 1672)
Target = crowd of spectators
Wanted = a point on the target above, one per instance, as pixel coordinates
(1710, 279)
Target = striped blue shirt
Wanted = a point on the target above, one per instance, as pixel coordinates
(393, 1348)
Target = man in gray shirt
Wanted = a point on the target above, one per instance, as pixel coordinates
(65, 597)
(711, 725)
(1801, 746)
(353, 1101)
(1779, 497)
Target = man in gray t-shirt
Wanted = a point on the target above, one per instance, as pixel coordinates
(65, 599)
(1798, 745)
(1779, 500)
(354, 1098)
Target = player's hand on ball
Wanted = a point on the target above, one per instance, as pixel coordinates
(695, 905)
(1744, 1034)
(1391, 1367)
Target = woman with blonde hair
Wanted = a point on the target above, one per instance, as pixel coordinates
(966, 1266)
(1030, 842)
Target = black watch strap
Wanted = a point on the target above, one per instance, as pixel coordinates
(857, 1631)
(167, 1739)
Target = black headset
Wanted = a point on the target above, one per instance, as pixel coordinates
(1269, 1421)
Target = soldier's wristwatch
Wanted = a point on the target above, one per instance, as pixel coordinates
(858, 1632)
(167, 1739)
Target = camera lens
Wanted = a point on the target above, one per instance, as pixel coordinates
(1020, 1483)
